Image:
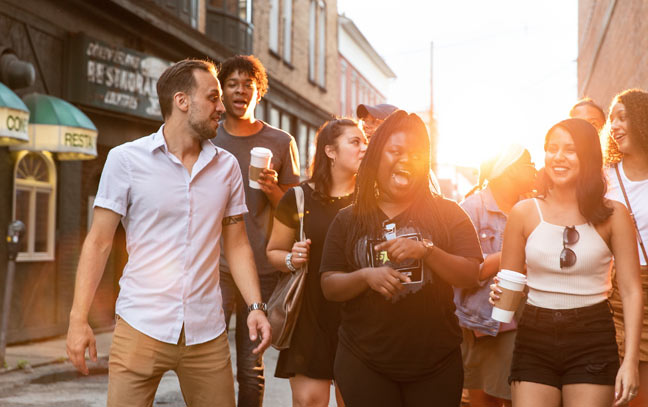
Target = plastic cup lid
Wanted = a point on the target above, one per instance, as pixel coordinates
(261, 152)
(512, 276)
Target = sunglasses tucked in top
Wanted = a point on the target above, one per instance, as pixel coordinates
(567, 255)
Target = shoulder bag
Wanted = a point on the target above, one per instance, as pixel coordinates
(285, 302)
(625, 196)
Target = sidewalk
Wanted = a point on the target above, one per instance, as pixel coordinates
(48, 360)
(50, 351)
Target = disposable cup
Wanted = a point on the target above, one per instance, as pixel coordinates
(512, 285)
(259, 159)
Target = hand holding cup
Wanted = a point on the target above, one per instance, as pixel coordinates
(260, 158)
(506, 294)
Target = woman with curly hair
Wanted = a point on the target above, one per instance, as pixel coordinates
(308, 362)
(627, 158)
(391, 260)
(565, 351)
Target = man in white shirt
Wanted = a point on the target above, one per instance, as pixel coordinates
(175, 193)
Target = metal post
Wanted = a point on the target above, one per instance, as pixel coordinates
(14, 233)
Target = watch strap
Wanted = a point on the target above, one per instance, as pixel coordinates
(261, 306)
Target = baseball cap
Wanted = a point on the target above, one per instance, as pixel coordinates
(378, 111)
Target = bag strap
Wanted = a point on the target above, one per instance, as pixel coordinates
(625, 196)
(299, 200)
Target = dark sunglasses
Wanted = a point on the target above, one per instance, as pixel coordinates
(567, 256)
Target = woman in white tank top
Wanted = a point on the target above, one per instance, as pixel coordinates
(565, 352)
(626, 156)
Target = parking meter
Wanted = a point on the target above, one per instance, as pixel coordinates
(15, 232)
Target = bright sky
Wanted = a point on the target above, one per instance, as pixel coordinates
(504, 70)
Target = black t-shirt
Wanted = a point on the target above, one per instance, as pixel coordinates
(407, 336)
(314, 341)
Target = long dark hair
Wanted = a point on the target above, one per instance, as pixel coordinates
(590, 184)
(320, 169)
(635, 102)
(424, 209)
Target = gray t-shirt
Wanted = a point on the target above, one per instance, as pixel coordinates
(285, 160)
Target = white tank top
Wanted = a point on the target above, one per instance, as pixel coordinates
(585, 283)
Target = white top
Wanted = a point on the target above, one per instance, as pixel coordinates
(173, 228)
(638, 195)
(585, 283)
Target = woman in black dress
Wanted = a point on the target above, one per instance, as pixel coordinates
(391, 259)
(309, 360)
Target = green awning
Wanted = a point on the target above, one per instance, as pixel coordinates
(57, 126)
(14, 117)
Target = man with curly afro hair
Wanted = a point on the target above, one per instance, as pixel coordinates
(245, 82)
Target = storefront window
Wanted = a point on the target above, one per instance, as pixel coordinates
(34, 204)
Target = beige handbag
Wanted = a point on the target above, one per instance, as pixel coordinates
(285, 302)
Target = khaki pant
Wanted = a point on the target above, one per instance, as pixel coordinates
(137, 363)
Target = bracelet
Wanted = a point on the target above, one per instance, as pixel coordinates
(289, 264)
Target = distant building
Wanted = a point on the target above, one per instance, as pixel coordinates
(364, 76)
(102, 59)
(297, 43)
(612, 44)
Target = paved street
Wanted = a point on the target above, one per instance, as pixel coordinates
(58, 385)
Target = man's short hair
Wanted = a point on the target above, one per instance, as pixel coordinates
(179, 78)
(587, 102)
(248, 64)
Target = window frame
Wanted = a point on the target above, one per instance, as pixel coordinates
(343, 87)
(273, 26)
(33, 187)
(321, 44)
(287, 30)
(312, 40)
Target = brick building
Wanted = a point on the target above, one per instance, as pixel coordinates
(297, 43)
(364, 76)
(613, 39)
(104, 58)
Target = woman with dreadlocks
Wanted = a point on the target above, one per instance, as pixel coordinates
(627, 158)
(391, 259)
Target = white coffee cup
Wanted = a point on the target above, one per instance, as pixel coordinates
(512, 285)
(260, 158)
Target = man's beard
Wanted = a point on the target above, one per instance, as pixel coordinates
(202, 129)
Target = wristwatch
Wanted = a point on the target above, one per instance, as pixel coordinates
(262, 306)
(428, 245)
(289, 264)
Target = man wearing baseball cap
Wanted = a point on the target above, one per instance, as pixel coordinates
(372, 116)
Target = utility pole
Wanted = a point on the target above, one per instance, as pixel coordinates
(434, 136)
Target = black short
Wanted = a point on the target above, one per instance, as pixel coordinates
(558, 347)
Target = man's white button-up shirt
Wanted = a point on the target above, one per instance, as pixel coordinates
(173, 228)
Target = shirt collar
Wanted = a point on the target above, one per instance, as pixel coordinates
(489, 201)
(157, 140)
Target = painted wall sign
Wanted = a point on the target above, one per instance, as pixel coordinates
(114, 78)
(13, 124)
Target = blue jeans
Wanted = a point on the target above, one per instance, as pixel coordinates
(249, 367)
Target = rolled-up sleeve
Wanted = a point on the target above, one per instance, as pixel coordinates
(114, 186)
(236, 203)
